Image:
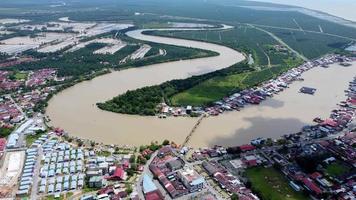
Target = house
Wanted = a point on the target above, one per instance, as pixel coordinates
(191, 179)
(210, 168)
(119, 175)
(148, 185)
(97, 182)
(247, 147)
(311, 186)
(174, 164)
(250, 161)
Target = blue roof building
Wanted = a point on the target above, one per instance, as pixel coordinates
(148, 185)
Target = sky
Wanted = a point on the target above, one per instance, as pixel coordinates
(341, 8)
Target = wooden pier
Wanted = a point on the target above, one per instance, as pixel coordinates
(193, 129)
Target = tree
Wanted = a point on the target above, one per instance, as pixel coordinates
(234, 197)
(133, 159)
(4, 132)
(128, 189)
(165, 142)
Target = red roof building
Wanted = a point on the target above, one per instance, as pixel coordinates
(154, 195)
(315, 175)
(247, 147)
(309, 184)
(118, 175)
(2, 144)
(330, 122)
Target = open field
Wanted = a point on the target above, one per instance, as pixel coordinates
(336, 169)
(20, 76)
(106, 52)
(218, 87)
(10, 171)
(12, 21)
(20, 44)
(271, 185)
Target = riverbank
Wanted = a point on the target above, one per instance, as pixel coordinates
(285, 113)
(75, 111)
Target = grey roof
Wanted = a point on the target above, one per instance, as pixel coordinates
(74, 177)
(65, 170)
(80, 182)
(22, 192)
(58, 186)
(51, 180)
(24, 187)
(66, 178)
(42, 189)
(65, 185)
(59, 179)
(51, 188)
(51, 172)
(27, 174)
(58, 171)
(81, 176)
(43, 181)
(73, 185)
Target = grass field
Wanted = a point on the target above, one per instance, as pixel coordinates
(219, 87)
(271, 185)
(337, 169)
(245, 38)
(20, 75)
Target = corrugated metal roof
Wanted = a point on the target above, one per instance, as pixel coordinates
(148, 185)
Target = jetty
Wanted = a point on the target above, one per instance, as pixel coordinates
(196, 125)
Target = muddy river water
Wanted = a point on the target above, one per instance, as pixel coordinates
(75, 111)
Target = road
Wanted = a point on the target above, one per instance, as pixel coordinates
(306, 31)
(36, 174)
(17, 107)
(279, 40)
(147, 171)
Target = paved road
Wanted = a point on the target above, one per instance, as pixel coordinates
(36, 174)
(147, 171)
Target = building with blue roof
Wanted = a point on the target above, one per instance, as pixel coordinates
(51, 188)
(147, 184)
(66, 185)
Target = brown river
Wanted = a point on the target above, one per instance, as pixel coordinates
(75, 111)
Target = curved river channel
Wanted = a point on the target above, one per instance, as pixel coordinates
(75, 111)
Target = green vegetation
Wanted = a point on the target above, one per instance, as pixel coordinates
(20, 75)
(83, 62)
(218, 87)
(311, 45)
(242, 38)
(269, 184)
(129, 189)
(143, 101)
(196, 90)
(104, 153)
(3, 56)
(4, 132)
(336, 169)
(31, 138)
